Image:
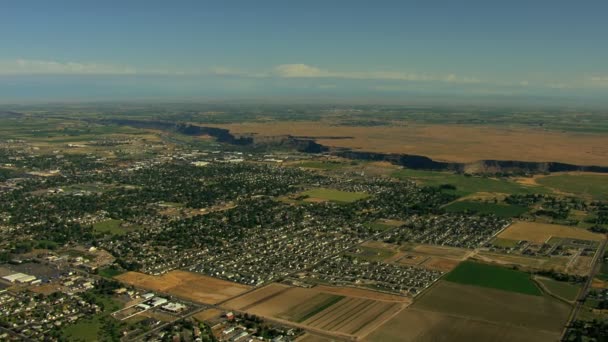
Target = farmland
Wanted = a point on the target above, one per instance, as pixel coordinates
(187, 285)
(500, 210)
(428, 326)
(542, 232)
(478, 274)
(586, 185)
(334, 310)
(465, 184)
(540, 312)
(560, 289)
(334, 195)
(460, 143)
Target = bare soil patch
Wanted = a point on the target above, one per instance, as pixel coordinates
(362, 293)
(426, 326)
(187, 285)
(542, 232)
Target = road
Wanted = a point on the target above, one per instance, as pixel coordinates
(595, 266)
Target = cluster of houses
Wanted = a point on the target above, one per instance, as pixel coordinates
(35, 316)
(456, 230)
(349, 271)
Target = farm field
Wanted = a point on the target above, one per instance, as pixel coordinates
(333, 310)
(500, 210)
(541, 312)
(441, 251)
(333, 195)
(427, 326)
(187, 285)
(504, 243)
(561, 289)
(522, 260)
(498, 277)
(460, 143)
(466, 185)
(586, 185)
(542, 232)
(207, 314)
(440, 264)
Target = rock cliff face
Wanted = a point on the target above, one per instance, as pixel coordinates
(309, 145)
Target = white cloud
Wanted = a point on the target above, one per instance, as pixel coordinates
(42, 67)
(224, 71)
(48, 67)
(307, 71)
(599, 78)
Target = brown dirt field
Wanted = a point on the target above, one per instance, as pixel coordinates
(581, 266)
(440, 264)
(313, 338)
(599, 284)
(427, 326)
(411, 259)
(163, 317)
(207, 314)
(459, 143)
(256, 296)
(353, 316)
(359, 312)
(511, 259)
(187, 285)
(362, 293)
(534, 312)
(542, 232)
(442, 251)
(46, 289)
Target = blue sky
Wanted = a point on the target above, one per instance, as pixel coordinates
(259, 49)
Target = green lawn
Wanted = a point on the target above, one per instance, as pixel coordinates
(83, 330)
(505, 243)
(484, 275)
(379, 226)
(466, 184)
(372, 254)
(109, 272)
(591, 185)
(335, 195)
(560, 288)
(501, 210)
(109, 226)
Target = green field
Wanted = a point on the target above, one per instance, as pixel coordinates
(380, 226)
(478, 274)
(372, 254)
(561, 289)
(109, 226)
(500, 210)
(335, 195)
(109, 272)
(504, 243)
(595, 186)
(83, 330)
(466, 185)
